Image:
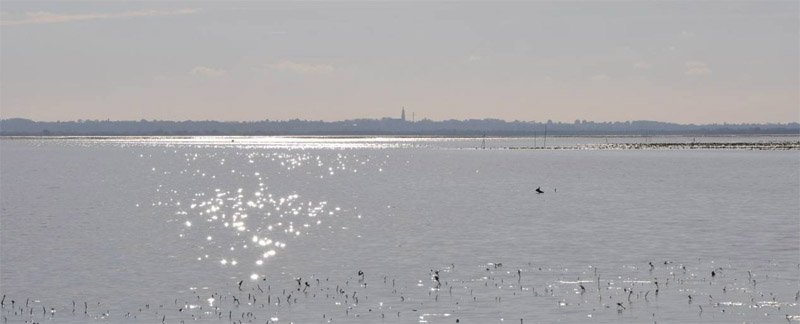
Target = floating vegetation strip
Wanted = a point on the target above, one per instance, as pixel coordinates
(770, 146)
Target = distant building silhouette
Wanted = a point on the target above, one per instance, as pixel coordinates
(403, 114)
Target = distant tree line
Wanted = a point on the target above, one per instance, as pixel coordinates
(385, 126)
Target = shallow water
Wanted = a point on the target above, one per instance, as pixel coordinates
(121, 224)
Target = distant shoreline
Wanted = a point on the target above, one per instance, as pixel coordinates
(383, 127)
(133, 137)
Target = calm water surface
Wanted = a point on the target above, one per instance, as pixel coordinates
(161, 229)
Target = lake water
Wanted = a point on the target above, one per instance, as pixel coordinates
(220, 230)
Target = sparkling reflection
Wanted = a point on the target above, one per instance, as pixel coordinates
(239, 213)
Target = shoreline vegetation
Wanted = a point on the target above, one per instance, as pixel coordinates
(660, 289)
(382, 127)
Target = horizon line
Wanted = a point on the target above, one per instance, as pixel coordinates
(80, 120)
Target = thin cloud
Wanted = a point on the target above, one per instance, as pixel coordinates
(43, 17)
(207, 72)
(600, 78)
(696, 68)
(474, 58)
(290, 66)
(641, 66)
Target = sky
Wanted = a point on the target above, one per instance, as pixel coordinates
(677, 61)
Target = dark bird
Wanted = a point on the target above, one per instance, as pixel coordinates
(539, 190)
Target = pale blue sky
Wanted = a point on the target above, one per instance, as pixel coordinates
(687, 62)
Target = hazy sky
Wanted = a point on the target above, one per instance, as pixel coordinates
(687, 62)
